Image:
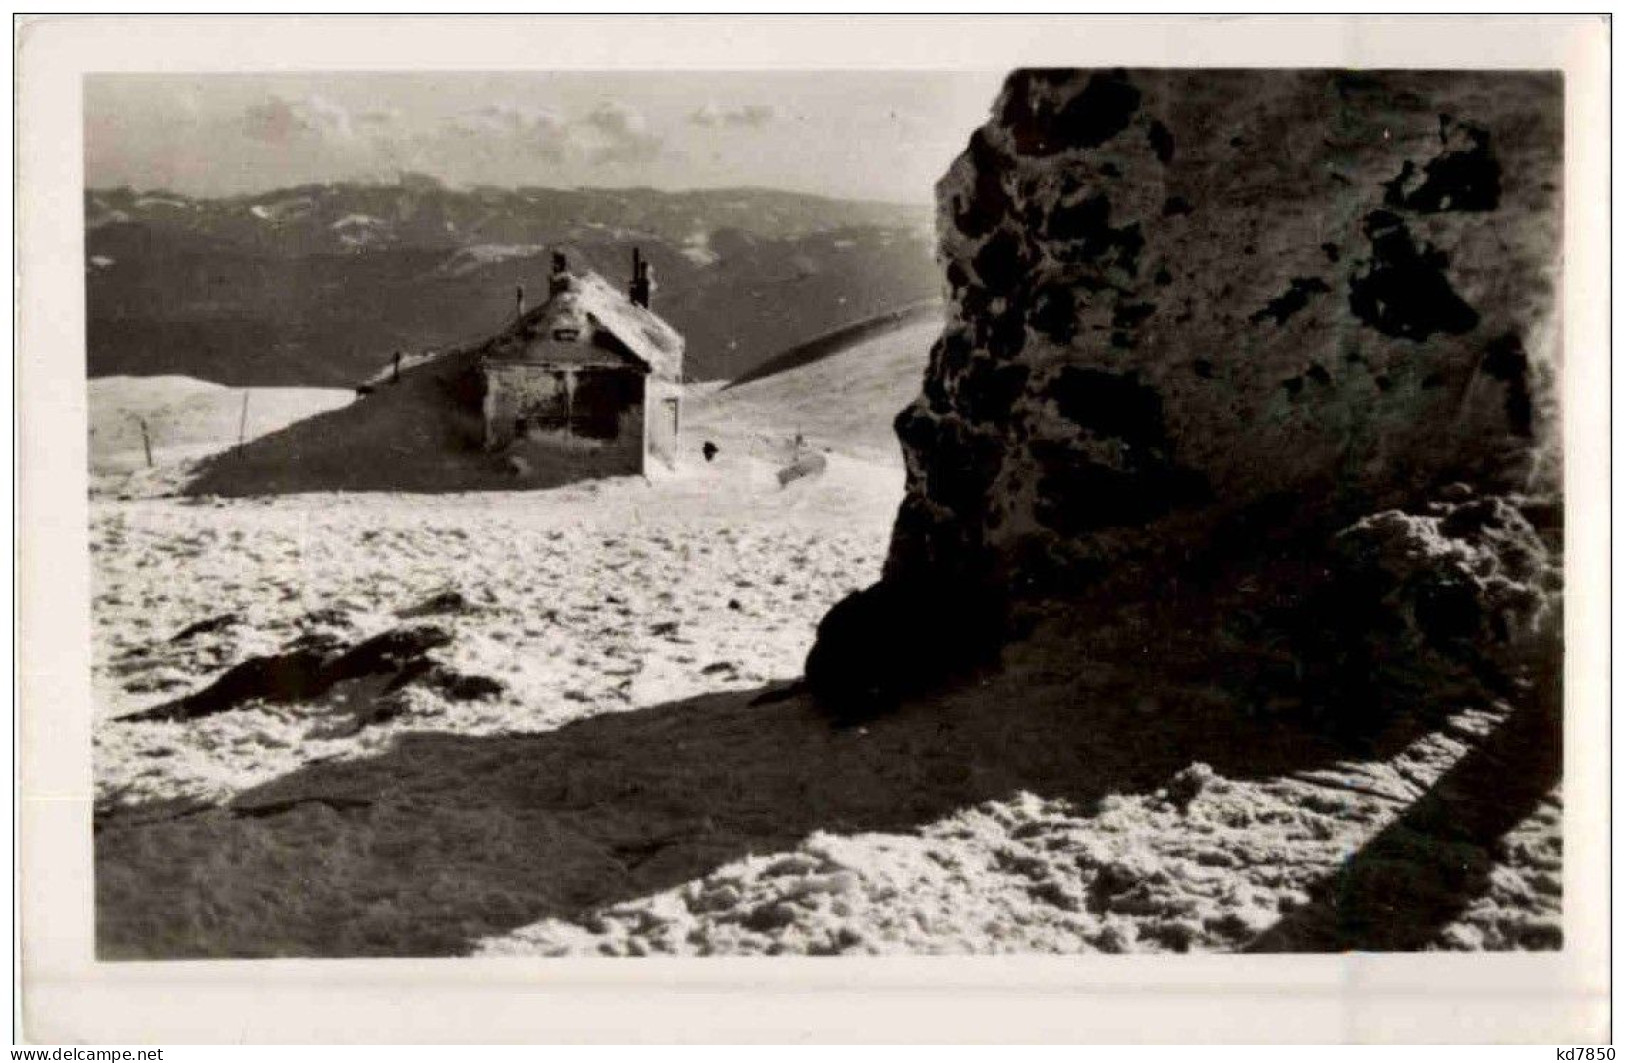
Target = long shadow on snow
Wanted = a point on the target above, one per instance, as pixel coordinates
(445, 839)
(1423, 870)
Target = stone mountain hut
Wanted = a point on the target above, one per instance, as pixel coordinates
(590, 376)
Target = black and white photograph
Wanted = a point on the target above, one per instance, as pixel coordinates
(768, 512)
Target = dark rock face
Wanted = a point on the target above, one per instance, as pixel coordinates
(1176, 293)
(891, 640)
(1405, 292)
(1464, 176)
(1505, 360)
(1289, 302)
(1056, 113)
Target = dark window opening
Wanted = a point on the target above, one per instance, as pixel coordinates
(539, 422)
(600, 400)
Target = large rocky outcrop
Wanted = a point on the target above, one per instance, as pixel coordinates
(1178, 298)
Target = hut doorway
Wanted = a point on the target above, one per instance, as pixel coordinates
(599, 400)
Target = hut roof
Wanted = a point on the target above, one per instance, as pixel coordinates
(590, 304)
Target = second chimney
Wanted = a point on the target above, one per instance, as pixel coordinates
(559, 280)
(639, 288)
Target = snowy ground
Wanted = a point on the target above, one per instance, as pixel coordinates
(639, 780)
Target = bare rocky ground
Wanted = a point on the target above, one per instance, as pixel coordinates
(562, 722)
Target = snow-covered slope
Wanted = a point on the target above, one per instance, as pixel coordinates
(845, 401)
(189, 418)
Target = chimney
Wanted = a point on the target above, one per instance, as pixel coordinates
(559, 280)
(519, 298)
(639, 288)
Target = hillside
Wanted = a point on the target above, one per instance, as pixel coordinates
(188, 418)
(840, 339)
(845, 401)
(414, 437)
(318, 285)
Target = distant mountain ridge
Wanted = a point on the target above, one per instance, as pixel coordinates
(319, 284)
(421, 212)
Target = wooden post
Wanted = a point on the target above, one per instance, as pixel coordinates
(146, 441)
(242, 421)
(569, 401)
(488, 409)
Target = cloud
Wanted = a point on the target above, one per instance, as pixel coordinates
(278, 120)
(617, 120)
(614, 134)
(750, 115)
(534, 131)
(273, 121)
(610, 134)
(496, 138)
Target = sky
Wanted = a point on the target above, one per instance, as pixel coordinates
(850, 134)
